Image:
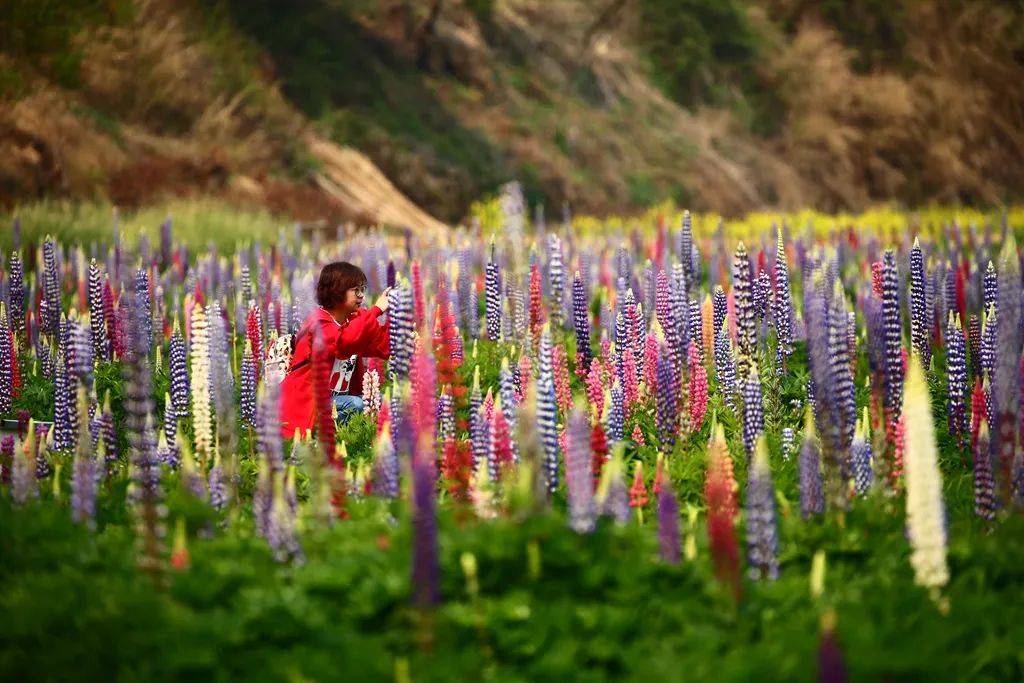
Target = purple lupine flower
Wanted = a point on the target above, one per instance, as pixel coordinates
(581, 324)
(987, 351)
(282, 536)
(63, 434)
(1006, 378)
(445, 415)
(385, 469)
(50, 311)
(668, 524)
(860, 458)
(685, 254)
(556, 278)
(696, 325)
(547, 410)
(616, 415)
(97, 319)
(990, 286)
(667, 410)
(144, 303)
(179, 379)
(43, 438)
(679, 313)
(82, 353)
(616, 499)
(919, 322)
(746, 324)
(400, 332)
(247, 387)
(83, 488)
(638, 328)
(7, 361)
(760, 294)
(578, 472)
(492, 297)
(812, 498)
(509, 404)
(985, 502)
(725, 367)
(893, 337)
(762, 532)
(782, 303)
(138, 406)
(719, 308)
(268, 427)
(108, 431)
(874, 323)
(831, 667)
(426, 583)
(16, 292)
(840, 375)
(753, 412)
(218, 488)
(956, 376)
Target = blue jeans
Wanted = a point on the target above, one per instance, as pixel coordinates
(347, 406)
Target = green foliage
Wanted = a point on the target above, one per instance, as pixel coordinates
(43, 32)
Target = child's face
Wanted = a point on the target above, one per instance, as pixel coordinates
(354, 297)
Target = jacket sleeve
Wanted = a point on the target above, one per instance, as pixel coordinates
(364, 336)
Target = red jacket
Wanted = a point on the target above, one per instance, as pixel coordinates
(361, 335)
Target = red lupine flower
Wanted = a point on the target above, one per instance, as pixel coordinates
(456, 467)
(720, 497)
(417, 295)
(536, 311)
(598, 451)
(876, 279)
(979, 411)
(502, 442)
(638, 435)
(638, 496)
(563, 392)
(698, 388)
(595, 389)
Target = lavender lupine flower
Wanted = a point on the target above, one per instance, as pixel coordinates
(919, 322)
(108, 430)
(263, 499)
(84, 476)
(686, 248)
(612, 494)
(7, 361)
(639, 331)
(385, 468)
(547, 409)
(746, 325)
(1006, 378)
(667, 412)
(400, 326)
(621, 346)
(268, 426)
(812, 498)
(247, 386)
(893, 337)
(782, 303)
(725, 367)
(956, 375)
(556, 277)
(282, 535)
(760, 296)
(762, 532)
(840, 357)
(82, 352)
(221, 379)
(217, 486)
(578, 472)
(492, 297)
(668, 524)
(581, 324)
(170, 454)
(426, 582)
(985, 503)
(178, 373)
(63, 433)
(97, 318)
(16, 292)
(753, 412)
(480, 439)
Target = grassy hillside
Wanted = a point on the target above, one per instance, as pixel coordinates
(609, 105)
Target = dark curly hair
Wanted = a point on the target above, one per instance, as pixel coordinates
(336, 279)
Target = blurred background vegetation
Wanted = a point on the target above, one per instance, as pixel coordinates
(607, 105)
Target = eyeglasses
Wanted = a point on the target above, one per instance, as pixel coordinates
(359, 290)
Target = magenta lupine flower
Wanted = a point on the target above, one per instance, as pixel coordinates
(698, 388)
(668, 524)
(578, 472)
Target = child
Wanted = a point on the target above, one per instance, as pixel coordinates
(348, 333)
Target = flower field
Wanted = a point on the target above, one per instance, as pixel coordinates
(671, 449)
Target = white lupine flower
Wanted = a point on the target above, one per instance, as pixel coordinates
(202, 418)
(924, 483)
